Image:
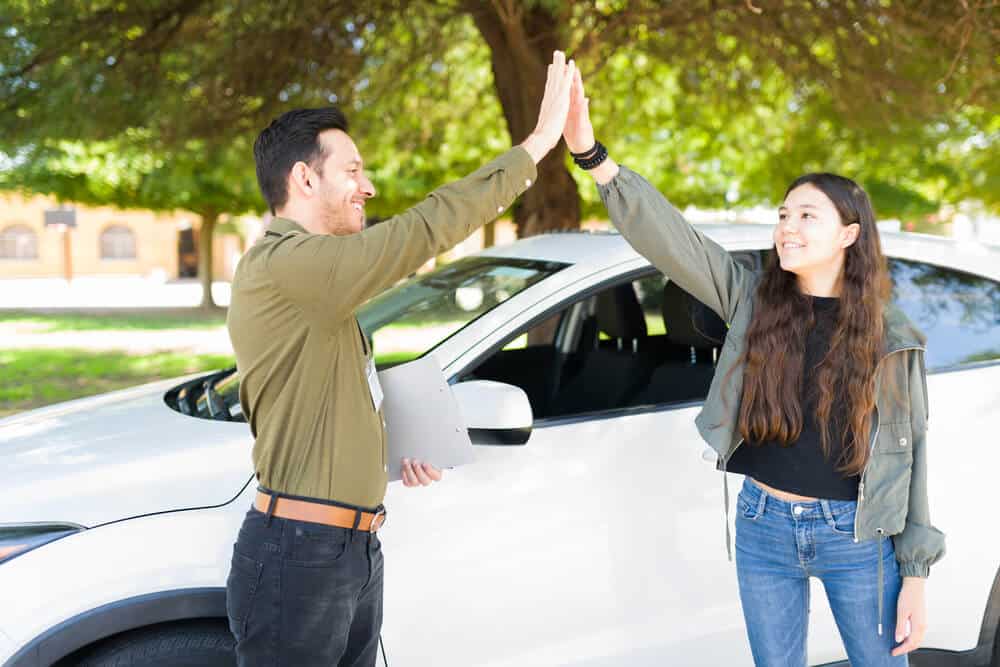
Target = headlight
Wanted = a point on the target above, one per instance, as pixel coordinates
(17, 539)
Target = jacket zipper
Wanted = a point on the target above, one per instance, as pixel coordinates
(871, 449)
(725, 459)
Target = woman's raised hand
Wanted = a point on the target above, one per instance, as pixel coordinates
(554, 108)
(579, 133)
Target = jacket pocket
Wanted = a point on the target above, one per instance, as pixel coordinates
(241, 589)
(887, 485)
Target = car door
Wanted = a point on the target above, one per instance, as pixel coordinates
(600, 542)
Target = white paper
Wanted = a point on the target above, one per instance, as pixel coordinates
(423, 421)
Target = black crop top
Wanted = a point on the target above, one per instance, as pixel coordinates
(801, 468)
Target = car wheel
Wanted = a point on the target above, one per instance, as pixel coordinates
(190, 644)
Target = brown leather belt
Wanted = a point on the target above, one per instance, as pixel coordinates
(331, 515)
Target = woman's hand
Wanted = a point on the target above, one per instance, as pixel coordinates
(555, 106)
(579, 133)
(912, 607)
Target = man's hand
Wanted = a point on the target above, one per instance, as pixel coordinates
(911, 607)
(416, 473)
(555, 106)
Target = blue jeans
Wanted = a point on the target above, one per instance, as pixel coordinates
(304, 594)
(779, 545)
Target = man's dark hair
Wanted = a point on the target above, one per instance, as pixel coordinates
(291, 137)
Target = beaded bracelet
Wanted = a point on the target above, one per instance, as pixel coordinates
(598, 154)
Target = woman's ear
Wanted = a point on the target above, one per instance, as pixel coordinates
(849, 235)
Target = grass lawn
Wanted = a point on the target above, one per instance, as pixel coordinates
(35, 377)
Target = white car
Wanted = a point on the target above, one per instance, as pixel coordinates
(600, 541)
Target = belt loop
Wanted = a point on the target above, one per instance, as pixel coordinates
(270, 509)
(357, 522)
(827, 511)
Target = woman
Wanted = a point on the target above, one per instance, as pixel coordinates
(819, 399)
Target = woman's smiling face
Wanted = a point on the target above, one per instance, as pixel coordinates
(810, 234)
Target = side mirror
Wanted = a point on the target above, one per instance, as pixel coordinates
(495, 413)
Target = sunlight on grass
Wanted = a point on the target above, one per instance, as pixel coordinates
(33, 378)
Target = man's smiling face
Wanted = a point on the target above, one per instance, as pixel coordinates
(343, 186)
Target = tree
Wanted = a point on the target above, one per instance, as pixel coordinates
(718, 101)
(128, 173)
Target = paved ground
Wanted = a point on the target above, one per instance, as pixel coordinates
(109, 295)
(105, 292)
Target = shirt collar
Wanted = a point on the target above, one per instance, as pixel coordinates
(282, 226)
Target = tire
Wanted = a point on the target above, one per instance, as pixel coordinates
(188, 644)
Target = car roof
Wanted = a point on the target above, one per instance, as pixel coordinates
(605, 249)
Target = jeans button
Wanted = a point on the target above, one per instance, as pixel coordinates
(797, 509)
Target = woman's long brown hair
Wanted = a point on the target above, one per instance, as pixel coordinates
(773, 379)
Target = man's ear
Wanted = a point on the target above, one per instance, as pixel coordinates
(300, 178)
(850, 234)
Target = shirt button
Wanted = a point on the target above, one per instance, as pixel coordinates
(902, 442)
(527, 182)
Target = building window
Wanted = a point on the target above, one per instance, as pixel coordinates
(18, 242)
(117, 242)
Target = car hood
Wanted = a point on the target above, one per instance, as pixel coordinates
(117, 456)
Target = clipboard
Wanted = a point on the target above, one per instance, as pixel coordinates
(422, 417)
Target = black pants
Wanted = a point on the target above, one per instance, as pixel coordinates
(301, 594)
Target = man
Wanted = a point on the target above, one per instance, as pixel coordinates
(305, 587)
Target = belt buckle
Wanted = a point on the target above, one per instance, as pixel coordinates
(377, 520)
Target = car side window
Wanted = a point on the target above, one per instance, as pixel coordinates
(540, 335)
(632, 344)
(958, 312)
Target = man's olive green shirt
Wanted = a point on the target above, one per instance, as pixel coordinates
(299, 349)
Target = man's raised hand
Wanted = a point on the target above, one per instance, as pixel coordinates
(554, 108)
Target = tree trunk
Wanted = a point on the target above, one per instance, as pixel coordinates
(522, 40)
(205, 234)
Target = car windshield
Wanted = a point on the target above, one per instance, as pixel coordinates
(418, 315)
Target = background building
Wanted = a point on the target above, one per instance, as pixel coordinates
(104, 242)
